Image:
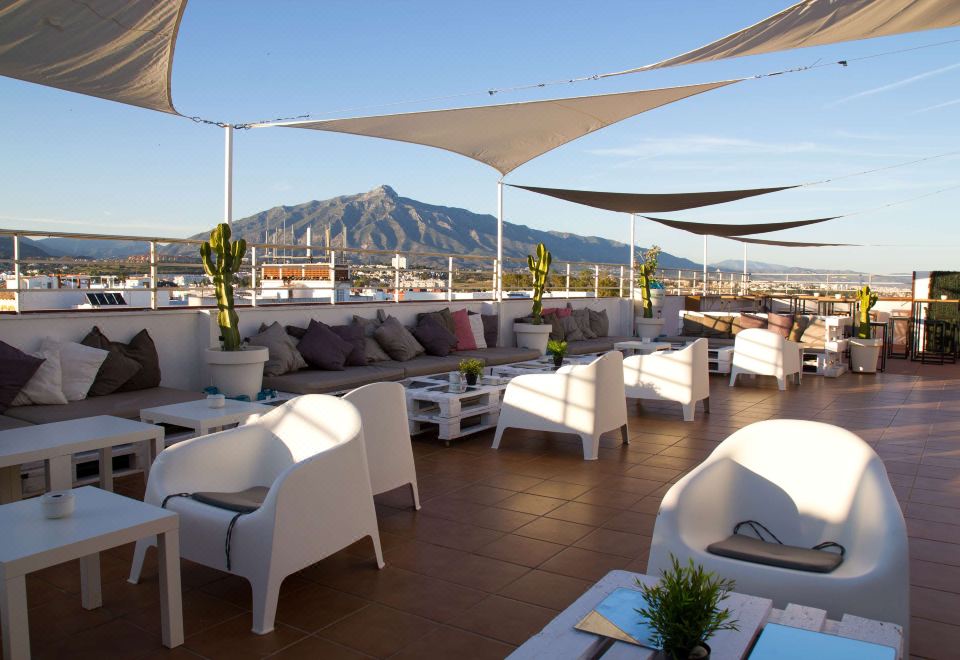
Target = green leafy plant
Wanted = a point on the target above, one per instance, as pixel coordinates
(683, 609)
(540, 269)
(471, 366)
(556, 347)
(867, 300)
(229, 255)
(646, 270)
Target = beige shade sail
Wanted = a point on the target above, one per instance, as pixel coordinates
(120, 50)
(727, 231)
(648, 203)
(760, 241)
(507, 136)
(820, 22)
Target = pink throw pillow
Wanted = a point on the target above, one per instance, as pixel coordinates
(461, 328)
(559, 311)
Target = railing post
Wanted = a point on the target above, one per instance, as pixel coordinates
(596, 281)
(333, 277)
(568, 280)
(153, 274)
(620, 294)
(396, 277)
(16, 272)
(496, 267)
(449, 279)
(679, 278)
(253, 277)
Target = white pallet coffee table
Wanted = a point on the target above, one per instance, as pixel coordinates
(559, 640)
(719, 360)
(199, 416)
(637, 346)
(433, 402)
(100, 521)
(543, 365)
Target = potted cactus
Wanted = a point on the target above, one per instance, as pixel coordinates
(235, 369)
(864, 349)
(534, 334)
(648, 323)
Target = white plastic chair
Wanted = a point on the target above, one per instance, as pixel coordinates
(682, 376)
(765, 353)
(386, 434)
(587, 400)
(808, 482)
(310, 453)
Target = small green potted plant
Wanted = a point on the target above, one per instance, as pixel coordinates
(683, 610)
(471, 369)
(534, 335)
(864, 349)
(558, 349)
(648, 327)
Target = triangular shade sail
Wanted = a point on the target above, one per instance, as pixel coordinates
(507, 136)
(707, 229)
(120, 50)
(648, 203)
(820, 22)
(760, 241)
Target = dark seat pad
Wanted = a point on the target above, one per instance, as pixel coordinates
(246, 501)
(747, 548)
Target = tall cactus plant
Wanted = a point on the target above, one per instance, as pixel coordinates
(647, 271)
(867, 300)
(540, 268)
(229, 255)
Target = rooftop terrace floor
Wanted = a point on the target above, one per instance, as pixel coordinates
(508, 538)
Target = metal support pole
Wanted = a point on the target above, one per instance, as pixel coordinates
(620, 293)
(499, 273)
(228, 175)
(333, 277)
(396, 278)
(309, 243)
(568, 280)
(633, 259)
(16, 272)
(253, 276)
(153, 275)
(496, 269)
(596, 281)
(705, 265)
(449, 279)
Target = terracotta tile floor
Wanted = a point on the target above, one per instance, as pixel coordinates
(508, 538)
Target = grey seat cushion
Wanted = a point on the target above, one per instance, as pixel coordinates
(244, 501)
(7, 423)
(118, 404)
(315, 381)
(500, 355)
(747, 548)
(585, 346)
(426, 365)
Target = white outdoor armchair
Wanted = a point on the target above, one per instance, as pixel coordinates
(586, 400)
(765, 353)
(808, 482)
(310, 453)
(682, 376)
(386, 434)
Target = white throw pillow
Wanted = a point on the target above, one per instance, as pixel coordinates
(476, 328)
(79, 365)
(46, 385)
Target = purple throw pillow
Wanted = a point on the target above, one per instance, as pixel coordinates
(434, 337)
(354, 335)
(16, 370)
(322, 348)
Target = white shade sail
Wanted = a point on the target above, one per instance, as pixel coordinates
(120, 50)
(507, 136)
(820, 22)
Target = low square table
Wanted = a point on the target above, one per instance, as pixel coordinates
(434, 402)
(642, 347)
(100, 521)
(57, 442)
(199, 416)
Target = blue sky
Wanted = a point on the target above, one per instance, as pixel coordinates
(74, 163)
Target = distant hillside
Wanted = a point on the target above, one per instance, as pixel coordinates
(92, 249)
(28, 248)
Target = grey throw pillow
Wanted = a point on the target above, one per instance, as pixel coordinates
(397, 341)
(441, 316)
(599, 323)
(582, 318)
(284, 356)
(571, 331)
(556, 323)
(323, 349)
(372, 349)
(434, 336)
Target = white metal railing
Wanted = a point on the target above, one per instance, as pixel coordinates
(386, 274)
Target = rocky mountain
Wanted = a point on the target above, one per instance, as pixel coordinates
(382, 220)
(28, 248)
(92, 249)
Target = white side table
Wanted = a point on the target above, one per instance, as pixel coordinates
(199, 416)
(100, 521)
(57, 442)
(642, 347)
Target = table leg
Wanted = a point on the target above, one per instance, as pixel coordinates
(90, 596)
(10, 484)
(106, 468)
(60, 472)
(171, 605)
(13, 618)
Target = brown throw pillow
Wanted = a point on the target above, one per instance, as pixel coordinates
(354, 335)
(16, 370)
(599, 323)
(582, 318)
(692, 326)
(116, 370)
(443, 316)
(815, 334)
(142, 349)
(780, 323)
(491, 329)
(800, 324)
(747, 321)
(372, 349)
(284, 356)
(435, 338)
(557, 333)
(323, 349)
(571, 331)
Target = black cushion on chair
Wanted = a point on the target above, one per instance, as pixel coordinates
(746, 548)
(246, 501)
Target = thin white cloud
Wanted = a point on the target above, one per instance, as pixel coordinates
(936, 107)
(895, 85)
(31, 222)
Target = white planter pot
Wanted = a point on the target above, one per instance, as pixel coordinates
(237, 372)
(533, 336)
(864, 354)
(648, 328)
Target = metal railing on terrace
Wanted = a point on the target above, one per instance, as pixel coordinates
(170, 276)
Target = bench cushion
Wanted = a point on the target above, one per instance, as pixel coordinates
(315, 381)
(7, 423)
(426, 365)
(498, 355)
(118, 404)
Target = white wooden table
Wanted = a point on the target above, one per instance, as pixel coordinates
(432, 404)
(559, 640)
(100, 521)
(56, 443)
(199, 416)
(642, 347)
